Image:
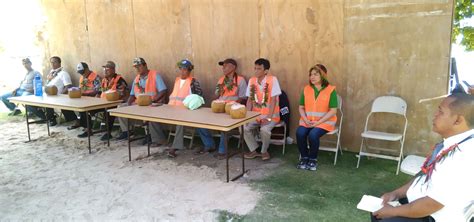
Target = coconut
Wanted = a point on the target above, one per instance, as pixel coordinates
(74, 92)
(238, 111)
(111, 95)
(228, 105)
(51, 90)
(218, 106)
(143, 100)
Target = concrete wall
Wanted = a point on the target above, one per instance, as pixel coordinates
(371, 48)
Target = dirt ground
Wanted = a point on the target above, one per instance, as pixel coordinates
(55, 178)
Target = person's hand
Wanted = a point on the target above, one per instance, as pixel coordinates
(385, 212)
(264, 121)
(50, 77)
(314, 123)
(307, 121)
(387, 197)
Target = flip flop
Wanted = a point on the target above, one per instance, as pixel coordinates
(73, 127)
(172, 154)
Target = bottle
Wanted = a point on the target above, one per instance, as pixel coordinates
(38, 85)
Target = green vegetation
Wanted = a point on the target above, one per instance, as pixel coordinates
(329, 194)
(463, 10)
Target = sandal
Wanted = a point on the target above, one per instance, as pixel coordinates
(172, 154)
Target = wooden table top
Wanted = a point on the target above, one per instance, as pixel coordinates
(199, 118)
(83, 104)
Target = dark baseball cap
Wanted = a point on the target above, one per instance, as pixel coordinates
(109, 64)
(138, 61)
(226, 61)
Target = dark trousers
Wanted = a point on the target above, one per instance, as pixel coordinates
(83, 121)
(402, 219)
(68, 115)
(304, 134)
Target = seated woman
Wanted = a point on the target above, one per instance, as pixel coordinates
(318, 107)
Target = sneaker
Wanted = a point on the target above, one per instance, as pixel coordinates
(122, 136)
(15, 112)
(312, 165)
(84, 134)
(251, 155)
(105, 137)
(266, 156)
(302, 164)
(53, 122)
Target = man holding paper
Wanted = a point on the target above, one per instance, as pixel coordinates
(443, 189)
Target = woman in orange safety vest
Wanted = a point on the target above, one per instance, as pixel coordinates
(318, 107)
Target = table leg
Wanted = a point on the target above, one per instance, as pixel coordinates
(226, 148)
(128, 135)
(148, 137)
(47, 121)
(89, 131)
(27, 123)
(242, 147)
(106, 114)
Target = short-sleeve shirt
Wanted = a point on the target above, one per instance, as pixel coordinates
(451, 182)
(160, 84)
(332, 99)
(27, 83)
(61, 79)
(242, 88)
(276, 91)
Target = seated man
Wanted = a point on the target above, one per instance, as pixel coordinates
(112, 81)
(230, 88)
(184, 85)
(62, 80)
(89, 82)
(263, 92)
(26, 88)
(443, 188)
(147, 82)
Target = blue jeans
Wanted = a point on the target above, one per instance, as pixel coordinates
(208, 140)
(8, 104)
(304, 134)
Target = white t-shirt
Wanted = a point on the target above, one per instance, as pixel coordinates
(60, 80)
(276, 91)
(452, 181)
(181, 83)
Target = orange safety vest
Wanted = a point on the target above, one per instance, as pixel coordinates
(316, 108)
(150, 85)
(109, 85)
(259, 93)
(232, 95)
(180, 93)
(88, 86)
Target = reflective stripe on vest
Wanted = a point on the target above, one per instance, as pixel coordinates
(150, 85)
(106, 84)
(265, 110)
(232, 95)
(316, 108)
(88, 87)
(179, 94)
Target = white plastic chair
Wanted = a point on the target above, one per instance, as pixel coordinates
(411, 165)
(188, 134)
(279, 138)
(337, 132)
(385, 104)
